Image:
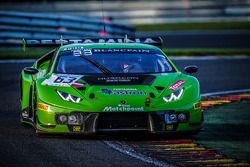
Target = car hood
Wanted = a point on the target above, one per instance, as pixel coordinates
(114, 93)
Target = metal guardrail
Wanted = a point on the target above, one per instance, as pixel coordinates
(145, 12)
(18, 25)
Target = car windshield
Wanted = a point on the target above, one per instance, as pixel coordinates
(119, 61)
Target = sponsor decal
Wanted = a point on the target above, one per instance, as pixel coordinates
(123, 108)
(107, 40)
(74, 48)
(169, 127)
(42, 106)
(62, 80)
(77, 53)
(176, 85)
(78, 50)
(78, 84)
(197, 105)
(122, 50)
(76, 128)
(107, 91)
(86, 52)
(117, 79)
(131, 89)
(125, 66)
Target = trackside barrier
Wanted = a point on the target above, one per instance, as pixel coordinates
(143, 12)
(18, 25)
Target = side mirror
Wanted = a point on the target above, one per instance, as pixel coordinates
(191, 69)
(30, 70)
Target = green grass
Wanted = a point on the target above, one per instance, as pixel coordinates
(36, 53)
(227, 130)
(19, 54)
(193, 26)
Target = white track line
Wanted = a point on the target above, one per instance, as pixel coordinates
(17, 61)
(125, 149)
(226, 92)
(209, 57)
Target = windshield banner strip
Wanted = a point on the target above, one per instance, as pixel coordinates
(119, 80)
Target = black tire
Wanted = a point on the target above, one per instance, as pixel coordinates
(21, 91)
(34, 107)
(30, 103)
(34, 110)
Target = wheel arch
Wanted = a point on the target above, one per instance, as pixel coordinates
(26, 85)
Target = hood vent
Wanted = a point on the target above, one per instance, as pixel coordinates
(81, 88)
(159, 88)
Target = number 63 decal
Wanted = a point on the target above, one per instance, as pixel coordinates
(65, 79)
(61, 80)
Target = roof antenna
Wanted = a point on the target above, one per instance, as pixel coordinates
(126, 38)
(24, 45)
(104, 24)
(61, 40)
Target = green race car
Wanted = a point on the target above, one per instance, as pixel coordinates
(90, 87)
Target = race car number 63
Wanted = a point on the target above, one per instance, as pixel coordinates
(64, 79)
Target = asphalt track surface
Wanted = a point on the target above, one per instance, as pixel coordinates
(19, 146)
(203, 39)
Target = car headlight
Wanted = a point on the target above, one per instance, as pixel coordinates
(174, 96)
(69, 97)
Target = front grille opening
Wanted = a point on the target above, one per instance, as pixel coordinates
(123, 121)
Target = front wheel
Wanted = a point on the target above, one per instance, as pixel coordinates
(34, 108)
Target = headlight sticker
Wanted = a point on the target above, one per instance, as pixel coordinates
(69, 97)
(174, 96)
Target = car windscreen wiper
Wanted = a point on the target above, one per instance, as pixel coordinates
(96, 64)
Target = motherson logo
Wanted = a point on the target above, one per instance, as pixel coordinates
(122, 92)
(123, 108)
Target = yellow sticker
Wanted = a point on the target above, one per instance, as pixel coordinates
(42, 106)
(169, 127)
(76, 128)
(197, 105)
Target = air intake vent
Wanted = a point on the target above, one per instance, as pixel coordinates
(81, 88)
(159, 88)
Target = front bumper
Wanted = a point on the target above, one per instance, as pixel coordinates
(92, 122)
